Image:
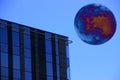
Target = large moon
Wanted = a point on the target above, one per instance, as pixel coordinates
(95, 24)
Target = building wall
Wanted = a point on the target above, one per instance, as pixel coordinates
(27, 53)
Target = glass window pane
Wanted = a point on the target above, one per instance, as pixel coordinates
(16, 50)
(26, 30)
(49, 69)
(16, 74)
(49, 78)
(16, 62)
(3, 35)
(27, 64)
(3, 24)
(15, 27)
(27, 52)
(4, 78)
(28, 76)
(49, 58)
(15, 38)
(48, 47)
(4, 47)
(4, 59)
(4, 71)
(27, 41)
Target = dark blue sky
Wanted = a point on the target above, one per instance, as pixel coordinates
(87, 62)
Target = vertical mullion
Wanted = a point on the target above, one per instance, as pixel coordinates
(10, 57)
(22, 70)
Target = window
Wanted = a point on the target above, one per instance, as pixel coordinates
(16, 62)
(4, 59)
(4, 78)
(16, 74)
(27, 53)
(27, 64)
(27, 41)
(26, 30)
(3, 24)
(58, 71)
(4, 71)
(3, 35)
(28, 76)
(4, 47)
(49, 69)
(15, 27)
(16, 50)
(49, 58)
(49, 78)
(68, 73)
(48, 43)
(15, 38)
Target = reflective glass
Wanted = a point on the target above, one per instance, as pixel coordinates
(3, 24)
(49, 78)
(27, 64)
(4, 78)
(15, 38)
(49, 58)
(16, 50)
(48, 43)
(26, 30)
(57, 60)
(16, 74)
(48, 47)
(15, 27)
(3, 35)
(4, 47)
(16, 62)
(68, 73)
(28, 76)
(58, 71)
(27, 52)
(27, 41)
(4, 59)
(4, 71)
(49, 69)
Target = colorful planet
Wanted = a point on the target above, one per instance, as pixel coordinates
(95, 24)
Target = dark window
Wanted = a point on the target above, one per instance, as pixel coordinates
(16, 50)
(4, 47)
(3, 35)
(4, 59)
(4, 78)
(15, 38)
(27, 64)
(16, 62)
(4, 71)
(27, 41)
(16, 74)
(27, 53)
(28, 76)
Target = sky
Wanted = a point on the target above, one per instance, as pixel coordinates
(87, 62)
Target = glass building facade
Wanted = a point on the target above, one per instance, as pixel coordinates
(27, 53)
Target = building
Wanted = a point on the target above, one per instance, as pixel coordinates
(27, 53)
